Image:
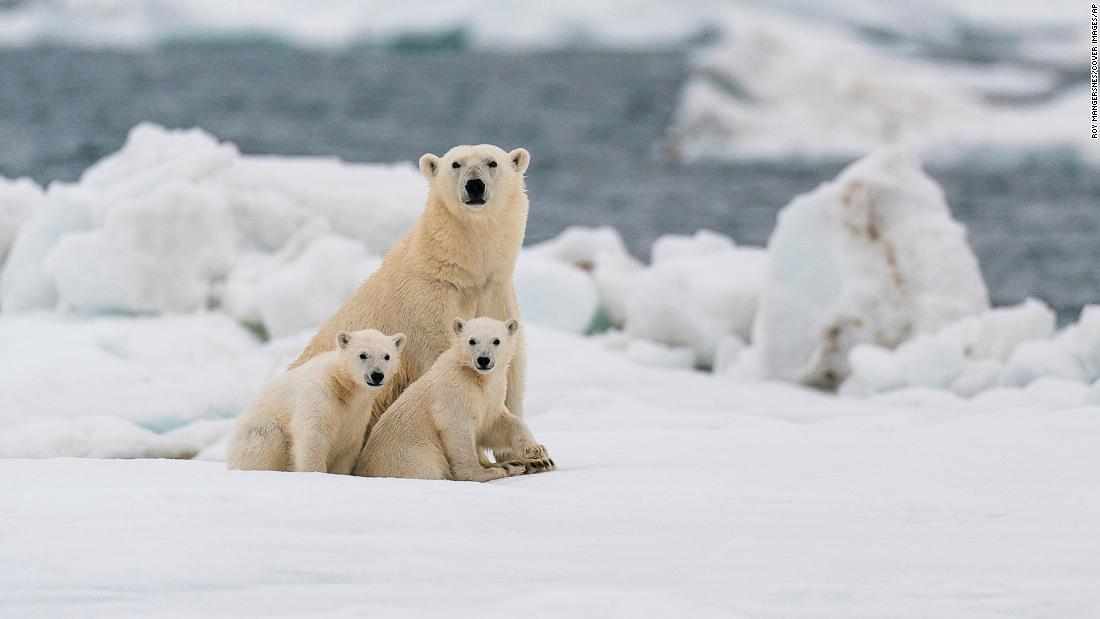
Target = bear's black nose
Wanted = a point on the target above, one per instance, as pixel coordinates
(377, 377)
(483, 362)
(475, 188)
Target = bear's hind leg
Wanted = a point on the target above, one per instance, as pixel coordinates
(260, 447)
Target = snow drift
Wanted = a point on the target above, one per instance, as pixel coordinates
(870, 257)
(163, 224)
(1001, 349)
(698, 290)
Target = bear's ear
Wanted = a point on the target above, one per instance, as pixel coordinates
(429, 165)
(398, 340)
(513, 326)
(458, 326)
(520, 159)
(343, 338)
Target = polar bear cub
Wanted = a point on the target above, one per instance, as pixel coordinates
(314, 417)
(442, 425)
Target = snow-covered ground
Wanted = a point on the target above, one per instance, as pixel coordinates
(679, 493)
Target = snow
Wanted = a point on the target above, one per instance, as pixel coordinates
(678, 492)
(748, 88)
(1009, 347)
(163, 224)
(300, 286)
(858, 76)
(110, 386)
(18, 200)
(870, 257)
(599, 252)
(554, 294)
(698, 290)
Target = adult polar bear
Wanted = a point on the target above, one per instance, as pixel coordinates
(456, 261)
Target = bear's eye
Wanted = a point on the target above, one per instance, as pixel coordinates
(492, 164)
(472, 341)
(362, 355)
(496, 342)
(387, 357)
(456, 165)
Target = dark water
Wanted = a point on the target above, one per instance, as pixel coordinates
(594, 122)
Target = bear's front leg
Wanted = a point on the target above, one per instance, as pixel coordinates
(311, 453)
(309, 444)
(511, 440)
(466, 463)
(517, 370)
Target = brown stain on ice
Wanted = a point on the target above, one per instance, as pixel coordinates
(861, 217)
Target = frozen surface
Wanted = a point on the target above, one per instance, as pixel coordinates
(883, 73)
(679, 492)
(18, 201)
(164, 223)
(870, 257)
(698, 290)
(1001, 350)
(600, 252)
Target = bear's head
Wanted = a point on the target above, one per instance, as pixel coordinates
(473, 179)
(369, 355)
(485, 343)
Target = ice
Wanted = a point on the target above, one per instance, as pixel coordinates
(1038, 358)
(1092, 396)
(703, 242)
(300, 287)
(749, 86)
(102, 436)
(698, 290)
(871, 257)
(177, 221)
(158, 372)
(1011, 347)
(18, 200)
(876, 81)
(555, 294)
(651, 354)
(158, 251)
(730, 352)
(600, 252)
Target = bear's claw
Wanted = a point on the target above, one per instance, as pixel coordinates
(514, 468)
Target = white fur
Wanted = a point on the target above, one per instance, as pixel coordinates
(442, 425)
(456, 261)
(314, 417)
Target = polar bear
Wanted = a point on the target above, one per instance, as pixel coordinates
(456, 261)
(313, 417)
(440, 427)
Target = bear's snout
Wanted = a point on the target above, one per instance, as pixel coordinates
(375, 379)
(475, 191)
(484, 363)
